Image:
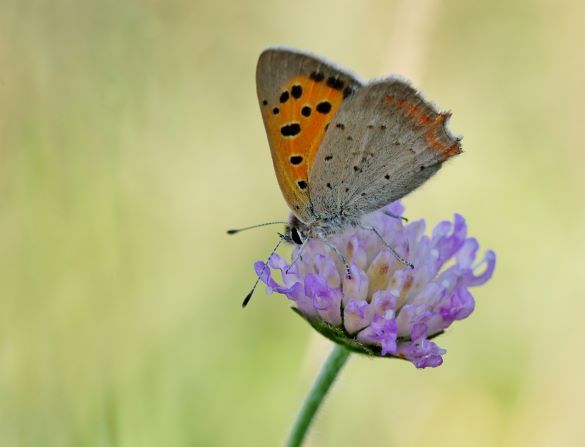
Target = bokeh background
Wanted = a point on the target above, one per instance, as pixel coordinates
(131, 138)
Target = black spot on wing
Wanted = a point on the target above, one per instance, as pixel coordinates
(284, 97)
(317, 76)
(306, 111)
(290, 130)
(296, 159)
(296, 91)
(275, 111)
(324, 107)
(302, 184)
(335, 83)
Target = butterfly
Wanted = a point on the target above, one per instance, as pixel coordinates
(342, 148)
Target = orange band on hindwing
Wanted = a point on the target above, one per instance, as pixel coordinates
(436, 135)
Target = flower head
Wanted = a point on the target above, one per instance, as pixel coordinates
(384, 308)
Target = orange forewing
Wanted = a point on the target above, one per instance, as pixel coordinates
(296, 125)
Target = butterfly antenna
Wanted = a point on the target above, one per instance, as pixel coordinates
(249, 295)
(237, 230)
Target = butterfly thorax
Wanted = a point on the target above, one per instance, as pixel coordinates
(298, 231)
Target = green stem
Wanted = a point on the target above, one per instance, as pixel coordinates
(327, 376)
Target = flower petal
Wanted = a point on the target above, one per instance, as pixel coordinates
(326, 300)
(382, 332)
(356, 286)
(448, 245)
(490, 260)
(457, 306)
(325, 267)
(423, 354)
(356, 315)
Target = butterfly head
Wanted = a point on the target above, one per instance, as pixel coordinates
(296, 232)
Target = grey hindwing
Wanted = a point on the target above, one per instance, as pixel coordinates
(375, 151)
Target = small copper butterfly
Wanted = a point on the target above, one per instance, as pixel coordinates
(343, 148)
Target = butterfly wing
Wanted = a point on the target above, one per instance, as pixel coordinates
(384, 142)
(299, 94)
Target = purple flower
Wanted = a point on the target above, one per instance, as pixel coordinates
(385, 308)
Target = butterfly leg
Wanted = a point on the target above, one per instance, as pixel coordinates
(394, 253)
(395, 216)
(297, 256)
(341, 258)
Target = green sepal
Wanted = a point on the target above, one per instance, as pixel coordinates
(337, 335)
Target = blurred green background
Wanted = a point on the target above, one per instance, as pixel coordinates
(131, 138)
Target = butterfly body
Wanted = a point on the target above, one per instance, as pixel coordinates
(343, 148)
(319, 228)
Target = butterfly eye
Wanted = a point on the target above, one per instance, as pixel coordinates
(296, 236)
